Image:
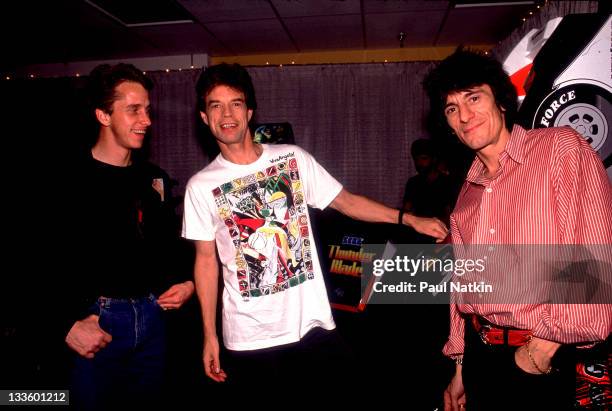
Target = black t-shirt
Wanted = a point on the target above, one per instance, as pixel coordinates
(124, 233)
(431, 198)
(127, 227)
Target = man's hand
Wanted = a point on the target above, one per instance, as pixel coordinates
(212, 365)
(176, 296)
(87, 338)
(542, 352)
(454, 396)
(426, 225)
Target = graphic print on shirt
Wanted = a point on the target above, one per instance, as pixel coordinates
(267, 220)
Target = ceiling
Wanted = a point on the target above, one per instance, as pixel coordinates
(38, 32)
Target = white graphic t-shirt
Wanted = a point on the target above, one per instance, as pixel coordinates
(257, 213)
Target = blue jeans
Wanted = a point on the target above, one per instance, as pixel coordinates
(130, 370)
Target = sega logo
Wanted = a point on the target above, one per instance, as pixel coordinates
(351, 240)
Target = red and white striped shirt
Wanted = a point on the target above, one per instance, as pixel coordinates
(551, 188)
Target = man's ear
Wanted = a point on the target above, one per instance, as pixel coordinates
(103, 117)
(204, 117)
(249, 114)
(502, 110)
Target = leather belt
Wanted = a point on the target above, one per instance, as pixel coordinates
(492, 334)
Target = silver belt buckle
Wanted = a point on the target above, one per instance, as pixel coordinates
(482, 333)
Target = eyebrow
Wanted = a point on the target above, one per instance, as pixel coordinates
(468, 92)
(137, 106)
(231, 101)
(471, 90)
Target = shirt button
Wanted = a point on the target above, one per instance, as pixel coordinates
(489, 190)
(492, 231)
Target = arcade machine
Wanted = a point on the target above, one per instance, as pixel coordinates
(383, 335)
(273, 133)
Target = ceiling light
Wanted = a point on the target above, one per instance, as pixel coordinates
(490, 4)
(141, 13)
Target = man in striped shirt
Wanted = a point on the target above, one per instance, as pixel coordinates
(539, 187)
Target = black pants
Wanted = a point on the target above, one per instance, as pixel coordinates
(321, 360)
(493, 381)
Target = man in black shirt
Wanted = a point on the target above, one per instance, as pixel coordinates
(432, 192)
(125, 237)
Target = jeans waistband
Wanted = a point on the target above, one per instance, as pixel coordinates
(107, 301)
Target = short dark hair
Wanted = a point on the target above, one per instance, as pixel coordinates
(104, 79)
(231, 75)
(464, 69)
(423, 146)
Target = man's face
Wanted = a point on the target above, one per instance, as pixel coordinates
(227, 115)
(423, 163)
(475, 117)
(130, 117)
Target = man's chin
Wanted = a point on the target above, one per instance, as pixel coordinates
(229, 139)
(137, 145)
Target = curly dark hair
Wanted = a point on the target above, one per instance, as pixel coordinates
(462, 70)
(231, 75)
(104, 79)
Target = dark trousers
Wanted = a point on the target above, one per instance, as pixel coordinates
(493, 381)
(321, 360)
(129, 372)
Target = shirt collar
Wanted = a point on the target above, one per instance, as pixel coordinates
(515, 149)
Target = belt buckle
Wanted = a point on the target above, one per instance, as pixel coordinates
(484, 328)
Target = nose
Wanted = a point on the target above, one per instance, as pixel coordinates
(145, 118)
(227, 112)
(465, 113)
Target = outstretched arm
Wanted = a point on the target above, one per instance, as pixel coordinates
(365, 209)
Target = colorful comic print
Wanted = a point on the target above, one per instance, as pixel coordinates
(267, 220)
(593, 387)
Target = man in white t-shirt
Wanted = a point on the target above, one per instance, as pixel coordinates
(249, 205)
